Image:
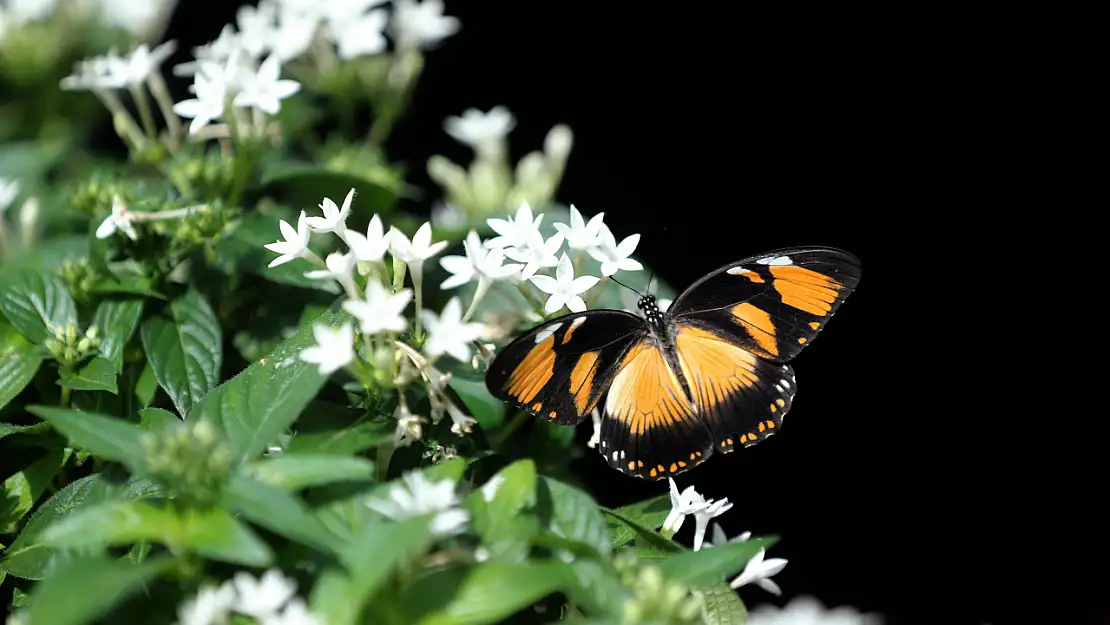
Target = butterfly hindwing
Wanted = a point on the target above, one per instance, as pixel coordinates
(650, 427)
(773, 304)
(560, 369)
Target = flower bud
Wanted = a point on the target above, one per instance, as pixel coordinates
(558, 143)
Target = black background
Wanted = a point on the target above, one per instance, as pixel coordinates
(915, 476)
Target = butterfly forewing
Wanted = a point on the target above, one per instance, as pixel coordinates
(560, 369)
(774, 304)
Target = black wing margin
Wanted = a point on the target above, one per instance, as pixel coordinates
(772, 304)
(560, 369)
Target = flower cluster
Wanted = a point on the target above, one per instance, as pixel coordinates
(269, 600)
(416, 495)
(758, 571)
(141, 19)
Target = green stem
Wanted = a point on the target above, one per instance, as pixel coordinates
(417, 272)
(65, 396)
(518, 420)
(142, 102)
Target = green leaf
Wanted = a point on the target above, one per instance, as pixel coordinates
(597, 586)
(85, 590)
(308, 185)
(370, 559)
(31, 159)
(35, 304)
(116, 319)
(213, 533)
(105, 437)
(19, 360)
(573, 514)
(722, 606)
(146, 386)
(484, 407)
(708, 566)
(7, 429)
(243, 248)
(638, 519)
(280, 512)
(515, 490)
(185, 349)
(28, 557)
(294, 471)
(99, 374)
(23, 489)
(255, 407)
(158, 420)
(486, 593)
(331, 429)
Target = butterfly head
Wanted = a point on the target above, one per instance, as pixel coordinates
(649, 304)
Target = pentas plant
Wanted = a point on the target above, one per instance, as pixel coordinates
(242, 373)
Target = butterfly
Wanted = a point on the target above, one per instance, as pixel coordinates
(705, 376)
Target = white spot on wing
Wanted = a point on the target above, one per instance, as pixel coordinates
(577, 322)
(544, 334)
(775, 260)
(735, 271)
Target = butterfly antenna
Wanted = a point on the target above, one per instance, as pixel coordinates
(650, 278)
(626, 286)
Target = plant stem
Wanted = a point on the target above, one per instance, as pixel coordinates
(518, 420)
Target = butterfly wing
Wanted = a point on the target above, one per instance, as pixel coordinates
(560, 369)
(736, 328)
(773, 304)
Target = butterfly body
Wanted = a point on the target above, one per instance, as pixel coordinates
(705, 376)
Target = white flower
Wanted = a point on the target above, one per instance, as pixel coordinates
(292, 36)
(341, 268)
(138, 18)
(265, 89)
(564, 288)
(419, 249)
(448, 334)
(409, 428)
(479, 262)
(718, 538)
(9, 190)
(809, 611)
(120, 219)
(581, 235)
(335, 218)
(489, 489)
(256, 26)
(479, 130)
(614, 257)
(558, 142)
(372, 247)
(381, 310)
(630, 298)
(90, 74)
(760, 571)
(296, 613)
(461, 423)
(210, 606)
(417, 496)
(262, 597)
(208, 105)
(688, 502)
(334, 348)
(447, 215)
(137, 66)
(361, 36)
(536, 254)
(295, 244)
(704, 515)
(515, 231)
(420, 25)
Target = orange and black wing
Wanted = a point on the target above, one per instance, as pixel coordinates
(651, 427)
(560, 369)
(773, 304)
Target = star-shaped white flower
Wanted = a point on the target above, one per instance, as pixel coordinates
(263, 597)
(256, 26)
(335, 218)
(461, 423)
(341, 268)
(136, 67)
(477, 129)
(265, 89)
(295, 244)
(580, 234)
(718, 538)
(515, 231)
(372, 247)
(421, 25)
(809, 611)
(296, 613)
(564, 289)
(416, 495)
(211, 605)
(478, 263)
(448, 333)
(120, 220)
(361, 36)
(419, 249)
(760, 572)
(410, 428)
(536, 253)
(381, 310)
(614, 257)
(292, 36)
(686, 503)
(704, 515)
(207, 105)
(334, 348)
